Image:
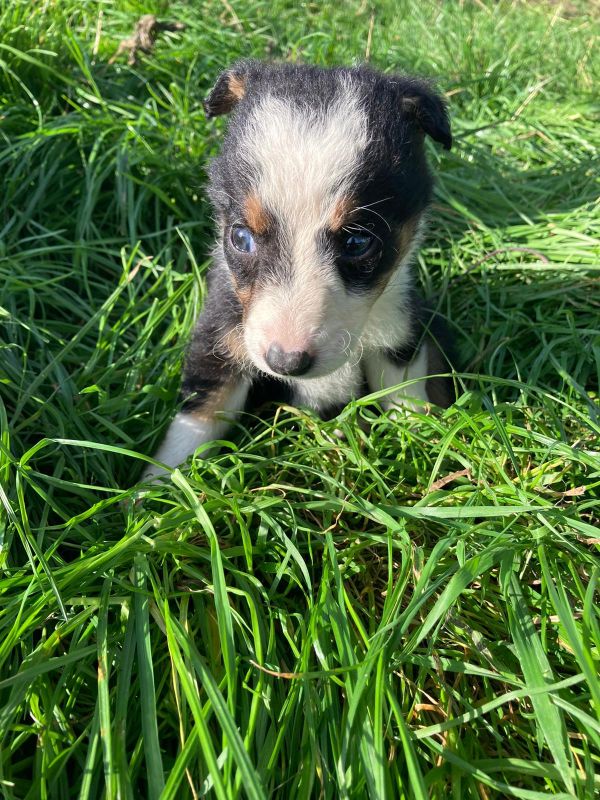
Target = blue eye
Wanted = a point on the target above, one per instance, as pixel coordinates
(242, 239)
(356, 245)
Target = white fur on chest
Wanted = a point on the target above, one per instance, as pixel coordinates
(389, 323)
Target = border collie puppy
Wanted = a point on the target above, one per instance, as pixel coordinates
(320, 193)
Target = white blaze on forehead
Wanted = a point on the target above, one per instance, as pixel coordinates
(306, 157)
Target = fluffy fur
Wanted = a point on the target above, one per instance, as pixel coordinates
(320, 191)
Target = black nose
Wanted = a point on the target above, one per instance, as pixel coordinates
(296, 362)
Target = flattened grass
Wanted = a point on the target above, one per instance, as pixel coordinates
(406, 612)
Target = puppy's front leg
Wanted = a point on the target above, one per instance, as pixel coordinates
(215, 386)
(383, 369)
(195, 426)
(387, 368)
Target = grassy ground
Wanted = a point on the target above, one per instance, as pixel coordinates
(410, 613)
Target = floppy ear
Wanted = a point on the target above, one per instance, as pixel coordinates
(428, 109)
(229, 89)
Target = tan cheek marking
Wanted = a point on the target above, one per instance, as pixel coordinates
(243, 293)
(406, 236)
(237, 86)
(404, 241)
(341, 212)
(256, 216)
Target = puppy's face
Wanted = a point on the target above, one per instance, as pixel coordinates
(320, 189)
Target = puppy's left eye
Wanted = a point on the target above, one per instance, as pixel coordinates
(242, 239)
(357, 245)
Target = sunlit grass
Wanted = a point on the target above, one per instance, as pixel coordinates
(408, 611)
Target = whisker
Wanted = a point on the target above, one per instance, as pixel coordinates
(347, 348)
(359, 352)
(368, 205)
(377, 214)
(357, 226)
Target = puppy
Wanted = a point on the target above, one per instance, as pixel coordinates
(320, 192)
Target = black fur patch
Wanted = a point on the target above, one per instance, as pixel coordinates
(208, 365)
(443, 358)
(266, 389)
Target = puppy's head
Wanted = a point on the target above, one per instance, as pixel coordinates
(319, 191)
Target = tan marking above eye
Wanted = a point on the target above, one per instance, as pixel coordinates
(343, 209)
(257, 217)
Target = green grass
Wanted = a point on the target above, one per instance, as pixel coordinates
(410, 612)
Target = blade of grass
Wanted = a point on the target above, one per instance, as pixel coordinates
(153, 758)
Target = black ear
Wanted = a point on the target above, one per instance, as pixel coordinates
(229, 89)
(428, 109)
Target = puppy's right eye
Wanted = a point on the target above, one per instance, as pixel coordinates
(242, 239)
